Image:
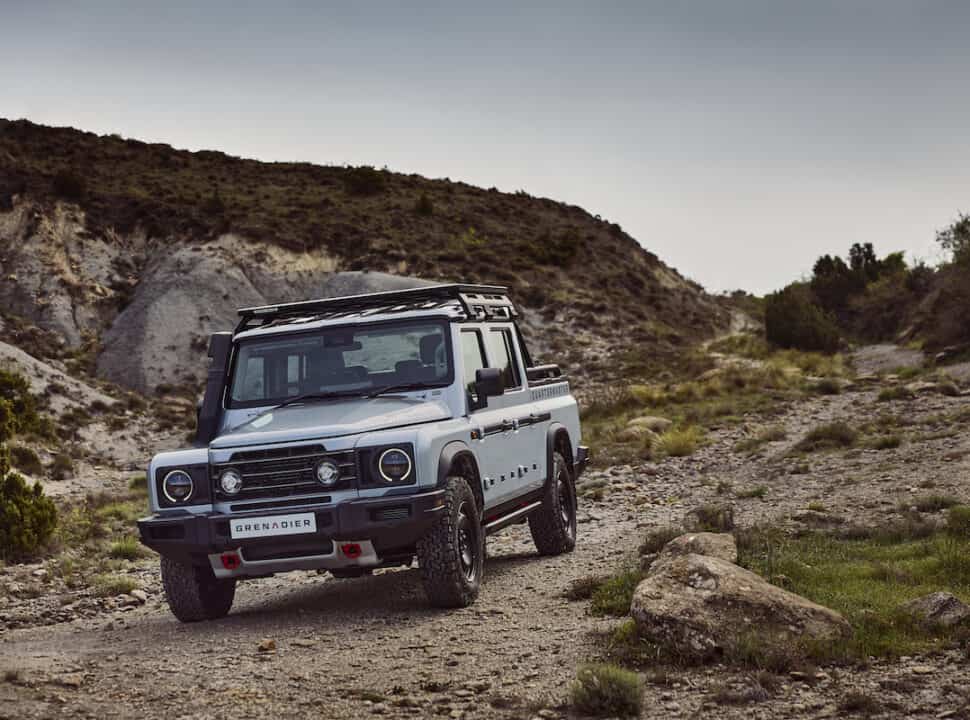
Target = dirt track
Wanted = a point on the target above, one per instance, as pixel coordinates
(371, 646)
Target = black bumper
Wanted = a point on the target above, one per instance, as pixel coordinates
(393, 524)
(582, 459)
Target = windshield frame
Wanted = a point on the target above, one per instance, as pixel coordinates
(443, 320)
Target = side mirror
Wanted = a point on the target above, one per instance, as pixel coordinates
(489, 382)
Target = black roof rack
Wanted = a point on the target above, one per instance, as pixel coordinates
(477, 302)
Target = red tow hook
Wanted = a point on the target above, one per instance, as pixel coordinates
(230, 561)
(351, 551)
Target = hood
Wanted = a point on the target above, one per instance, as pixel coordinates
(332, 418)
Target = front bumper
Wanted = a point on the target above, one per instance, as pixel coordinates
(391, 525)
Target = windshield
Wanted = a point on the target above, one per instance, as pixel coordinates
(270, 370)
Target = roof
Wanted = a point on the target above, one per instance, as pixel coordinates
(463, 301)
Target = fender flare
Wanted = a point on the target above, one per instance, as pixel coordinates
(558, 433)
(457, 452)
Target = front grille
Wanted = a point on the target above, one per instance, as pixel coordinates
(283, 472)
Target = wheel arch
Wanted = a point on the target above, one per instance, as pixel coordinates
(557, 438)
(458, 459)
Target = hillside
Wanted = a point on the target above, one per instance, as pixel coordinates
(142, 249)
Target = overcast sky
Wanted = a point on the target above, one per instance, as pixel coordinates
(737, 140)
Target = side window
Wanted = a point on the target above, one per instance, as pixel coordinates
(473, 357)
(501, 351)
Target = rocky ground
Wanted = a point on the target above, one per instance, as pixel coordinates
(308, 645)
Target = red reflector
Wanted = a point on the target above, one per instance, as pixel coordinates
(230, 561)
(351, 550)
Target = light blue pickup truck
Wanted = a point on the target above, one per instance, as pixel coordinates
(361, 432)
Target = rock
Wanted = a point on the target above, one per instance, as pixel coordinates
(921, 386)
(713, 517)
(39, 573)
(266, 645)
(650, 422)
(127, 600)
(637, 432)
(719, 545)
(922, 670)
(140, 595)
(704, 606)
(939, 608)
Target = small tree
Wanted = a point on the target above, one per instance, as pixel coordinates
(792, 320)
(956, 240)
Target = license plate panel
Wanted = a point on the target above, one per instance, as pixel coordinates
(272, 526)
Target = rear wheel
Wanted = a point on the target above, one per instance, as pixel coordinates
(194, 593)
(553, 525)
(451, 553)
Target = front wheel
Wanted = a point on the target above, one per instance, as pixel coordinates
(553, 525)
(194, 593)
(451, 553)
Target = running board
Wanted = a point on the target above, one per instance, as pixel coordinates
(511, 518)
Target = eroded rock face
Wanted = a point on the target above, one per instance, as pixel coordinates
(706, 606)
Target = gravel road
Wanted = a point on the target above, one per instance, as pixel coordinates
(371, 646)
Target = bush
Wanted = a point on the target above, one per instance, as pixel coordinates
(655, 540)
(27, 516)
(679, 443)
(109, 585)
(128, 548)
(614, 595)
(955, 239)
(792, 320)
(607, 691)
(958, 521)
(828, 437)
(423, 206)
(69, 185)
(25, 460)
(364, 180)
(61, 467)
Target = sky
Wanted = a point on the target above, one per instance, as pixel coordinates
(736, 139)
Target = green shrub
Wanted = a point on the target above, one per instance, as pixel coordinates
(792, 320)
(25, 460)
(27, 516)
(61, 467)
(613, 596)
(958, 521)
(69, 185)
(655, 540)
(828, 437)
(423, 206)
(20, 412)
(679, 442)
(758, 491)
(933, 503)
(886, 442)
(607, 691)
(128, 548)
(584, 587)
(364, 180)
(108, 585)
(896, 392)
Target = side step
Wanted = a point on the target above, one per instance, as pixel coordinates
(512, 518)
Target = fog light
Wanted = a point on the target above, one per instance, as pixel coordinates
(231, 482)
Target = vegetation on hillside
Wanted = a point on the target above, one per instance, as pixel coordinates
(557, 257)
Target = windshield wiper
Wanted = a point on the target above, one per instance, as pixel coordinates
(319, 396)
(398, 388)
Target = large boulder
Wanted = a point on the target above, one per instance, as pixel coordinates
(718, 545)
(939, 608)
(707, 607)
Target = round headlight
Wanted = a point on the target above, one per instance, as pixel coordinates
(327, 473)
(177, 486)
(394, 465)
(231, 482)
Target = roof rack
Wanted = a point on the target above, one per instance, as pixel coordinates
(477, 302)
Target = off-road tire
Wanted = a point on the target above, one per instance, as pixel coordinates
(553, 525)
(451, 554)
(194, 593)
